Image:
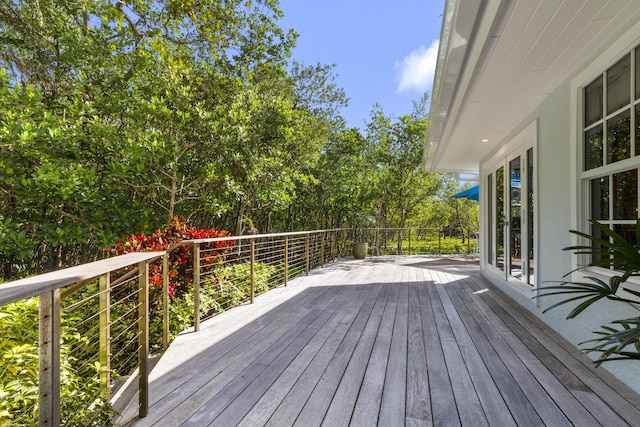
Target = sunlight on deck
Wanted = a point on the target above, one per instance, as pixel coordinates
(384, 341)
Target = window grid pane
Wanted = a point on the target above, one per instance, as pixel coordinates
(619, 137)
(593, 102)
(593, 147)
(600, 198)
(628, 232)
(619, 84)
(637, 79)
(637, 112)
(625, 195)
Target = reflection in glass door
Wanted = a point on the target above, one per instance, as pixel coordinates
(499, 219)
(515, 219)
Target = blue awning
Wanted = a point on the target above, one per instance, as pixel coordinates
(472, 193)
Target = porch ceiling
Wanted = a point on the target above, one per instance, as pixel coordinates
(499, 59)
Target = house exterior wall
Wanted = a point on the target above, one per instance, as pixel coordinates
(556, 212)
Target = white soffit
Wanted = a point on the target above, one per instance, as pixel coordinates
(499, 59)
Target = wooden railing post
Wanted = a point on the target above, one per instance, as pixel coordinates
(196, 287)
(165, 302)
(322, 237)
(49, 359)
(286, 259)
(252, 254)
(105, 335)
(143, 339)
(306, 253)
(333, 242)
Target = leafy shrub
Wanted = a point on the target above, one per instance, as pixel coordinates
(180, 269)
(80, 394)
(180, 259)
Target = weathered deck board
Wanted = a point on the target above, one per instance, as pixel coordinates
(385, 341)
(565, 362)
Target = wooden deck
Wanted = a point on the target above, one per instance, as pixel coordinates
(385, 341)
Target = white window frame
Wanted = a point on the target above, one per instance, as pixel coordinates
(580, 192)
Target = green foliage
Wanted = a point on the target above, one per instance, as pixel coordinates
(118, 116)
(612, 250)
(80, 393)
(227, 286)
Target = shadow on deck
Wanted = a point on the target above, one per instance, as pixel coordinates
(387, 341)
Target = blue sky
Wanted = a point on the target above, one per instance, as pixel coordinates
(384, 51)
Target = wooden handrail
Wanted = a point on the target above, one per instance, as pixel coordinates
(31, 286)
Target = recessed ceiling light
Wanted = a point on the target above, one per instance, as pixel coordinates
(485, 140)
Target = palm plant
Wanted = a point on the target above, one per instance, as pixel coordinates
(621, 339)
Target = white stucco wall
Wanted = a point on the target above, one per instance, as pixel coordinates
(556, 208)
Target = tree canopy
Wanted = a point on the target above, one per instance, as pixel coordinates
(119, 115)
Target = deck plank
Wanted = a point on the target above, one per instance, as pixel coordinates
(325, 361)
(345, 397)
(490, 397)
(443, 403)
(213, 375)
(392, 406)
(367, 406)
(418, 407)
(611, 406)
(537, 362)
(467, 401)
(265, 406)
(318, 403)
(383, 341)
(235, 400)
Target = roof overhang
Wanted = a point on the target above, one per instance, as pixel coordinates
(499, 59)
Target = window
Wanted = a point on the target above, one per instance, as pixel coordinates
(611, 144)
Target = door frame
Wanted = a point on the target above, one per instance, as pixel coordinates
(516, 147)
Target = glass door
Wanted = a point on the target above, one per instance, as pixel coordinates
(510, 233)
(515, 219)
(499, 220)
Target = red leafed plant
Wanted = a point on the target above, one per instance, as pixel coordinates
(180, 258)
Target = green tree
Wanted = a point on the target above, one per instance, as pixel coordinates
(396, 155)
(132, 113)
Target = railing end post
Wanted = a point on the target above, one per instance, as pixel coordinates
(49, 358)
(252, 254)
(196, 287)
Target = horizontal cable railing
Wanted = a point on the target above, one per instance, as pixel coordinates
(409, 241)
(76, 342)
(59, 355)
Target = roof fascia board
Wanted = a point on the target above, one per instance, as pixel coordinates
(476, 23)
(450, 9)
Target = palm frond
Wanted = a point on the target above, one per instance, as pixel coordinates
(614, 250)
(613, 342)
(591, 291)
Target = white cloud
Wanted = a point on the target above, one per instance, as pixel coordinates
(418, 68)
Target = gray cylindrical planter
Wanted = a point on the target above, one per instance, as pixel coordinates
(360, 250)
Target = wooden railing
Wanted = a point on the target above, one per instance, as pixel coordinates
(98, 323)
(52, 289)
(95, 329)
